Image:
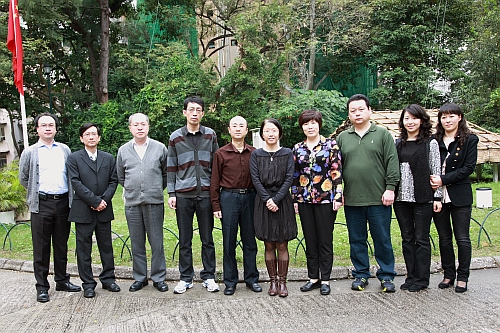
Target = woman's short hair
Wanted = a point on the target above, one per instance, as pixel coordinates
(308, 115)
(273, 121)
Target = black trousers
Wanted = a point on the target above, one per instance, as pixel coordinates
(460, 219)
(317, 226)
(50, 224)
(84, 233)
(415, 221)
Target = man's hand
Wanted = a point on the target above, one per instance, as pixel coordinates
(101, 206)
(388, 198)
(172, 202)
(437, 205)
(436, 182)
(336, 205)
(218, 214)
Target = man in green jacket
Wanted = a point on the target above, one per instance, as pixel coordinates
(370, 172)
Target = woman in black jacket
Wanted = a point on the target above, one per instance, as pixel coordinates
(419, 158)
(458, 150)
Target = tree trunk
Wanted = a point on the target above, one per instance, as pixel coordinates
(312, 47)
(104, 54)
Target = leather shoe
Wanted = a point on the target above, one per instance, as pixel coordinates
(459, 289)
(310, 286)
(324, 289)
(88, 292)
(137, 285)
(111, 287)
(68, 286)
(255, 287)
(444, 285)
(416, 288)
(161, 286)
(42, 296)
(229, 290)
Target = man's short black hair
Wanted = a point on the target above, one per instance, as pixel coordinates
(194, 99)
(37, 118)
(86, 126)
(358, 97)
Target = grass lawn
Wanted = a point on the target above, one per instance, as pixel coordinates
(22, 249)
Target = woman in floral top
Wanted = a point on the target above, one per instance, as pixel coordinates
(317, 195)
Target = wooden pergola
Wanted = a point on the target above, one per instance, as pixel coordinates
(488, 148)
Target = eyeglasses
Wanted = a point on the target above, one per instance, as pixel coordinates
(139, 124)
(273, 131)
(47, 125)
(90, 134)
(193, 110)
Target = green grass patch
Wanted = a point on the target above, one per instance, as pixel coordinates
(20, 237)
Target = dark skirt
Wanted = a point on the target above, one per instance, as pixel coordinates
(275, 227)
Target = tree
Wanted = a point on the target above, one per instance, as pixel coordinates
(415, 44)
(477, 85)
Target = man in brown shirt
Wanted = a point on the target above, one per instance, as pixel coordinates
(233, 195)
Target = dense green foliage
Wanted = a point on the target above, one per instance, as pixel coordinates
(289, 53)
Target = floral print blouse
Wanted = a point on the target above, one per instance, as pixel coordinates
(317, 177)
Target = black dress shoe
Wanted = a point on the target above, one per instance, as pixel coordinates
(161, 286)
(255, 287)
(416, 288)
(405, 286)
(68, 286)
(324, 289)
(461, 289)
(444, 285)
(88, 292)
(137, 285)
(229, 290)
(42, 296)
(111, 287)
(310, 286)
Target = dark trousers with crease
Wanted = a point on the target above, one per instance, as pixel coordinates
(414, 222)
(84, 233)
(460, 219)
(186, 208)
(50, 224)
(237, 210)
(317, 222)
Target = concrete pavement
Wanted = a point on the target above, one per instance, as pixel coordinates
(344, 310)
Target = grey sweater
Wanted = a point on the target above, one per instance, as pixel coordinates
(143, 180)
(29, 174)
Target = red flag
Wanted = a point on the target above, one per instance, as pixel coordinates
(15, 45)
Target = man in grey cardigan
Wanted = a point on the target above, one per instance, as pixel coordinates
(141, 165)
(42, 171)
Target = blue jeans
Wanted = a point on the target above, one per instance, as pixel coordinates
(379, 218)
(460, 218)
(186, 207)
(237, 210)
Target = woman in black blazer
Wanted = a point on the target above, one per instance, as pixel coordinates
(458, 150)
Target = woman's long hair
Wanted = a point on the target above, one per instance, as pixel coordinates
(463, 130)
(425, 124)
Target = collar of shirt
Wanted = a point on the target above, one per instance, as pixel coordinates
(135, 144)
(40, 144)
(93, 156)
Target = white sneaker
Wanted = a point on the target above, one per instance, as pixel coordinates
(181, 287)
(211, 285)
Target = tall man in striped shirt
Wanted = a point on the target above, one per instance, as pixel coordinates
(189, 168)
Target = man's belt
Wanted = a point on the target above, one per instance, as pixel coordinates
(239, 190)
(46, 196)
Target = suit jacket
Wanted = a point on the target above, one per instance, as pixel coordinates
(92, 182)
(460, 164)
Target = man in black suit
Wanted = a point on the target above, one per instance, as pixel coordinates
(92, 173)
